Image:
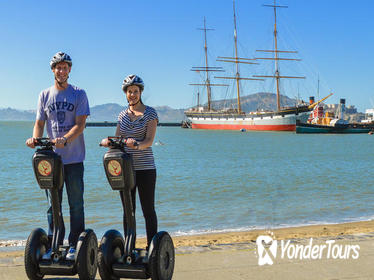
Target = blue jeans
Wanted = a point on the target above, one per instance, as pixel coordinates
(73, 176)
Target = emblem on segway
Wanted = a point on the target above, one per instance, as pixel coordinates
(114, 168)
(44, 168)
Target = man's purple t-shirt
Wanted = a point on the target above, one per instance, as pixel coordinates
(59, 109)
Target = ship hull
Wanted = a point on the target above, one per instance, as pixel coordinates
(264, 122)
(338, 129)
(222, 126)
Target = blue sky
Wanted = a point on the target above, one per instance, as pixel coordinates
(159, 41)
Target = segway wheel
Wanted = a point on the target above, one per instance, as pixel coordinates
(162, 259)
(36, 246)
(87, 256)
(110, 250)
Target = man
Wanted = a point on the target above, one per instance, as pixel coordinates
(64, 109)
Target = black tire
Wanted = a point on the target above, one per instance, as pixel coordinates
(87, 257)
(162, 259)
(36, 246)
(111, 249)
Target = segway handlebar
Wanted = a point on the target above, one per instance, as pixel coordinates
(117, 142)
(44, 142)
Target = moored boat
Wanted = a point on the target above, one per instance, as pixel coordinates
(338, 128)
(321, 122)
(284, 120)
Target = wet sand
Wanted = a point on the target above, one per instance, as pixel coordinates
(234, 255)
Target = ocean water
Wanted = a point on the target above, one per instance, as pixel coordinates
(207, 181)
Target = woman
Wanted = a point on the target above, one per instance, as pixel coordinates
(138, 125)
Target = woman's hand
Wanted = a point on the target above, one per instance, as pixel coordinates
(132, 143)
(104, 142)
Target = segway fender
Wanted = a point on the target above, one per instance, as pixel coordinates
(35, 241)
(81, 239)
(161, 257)
(106, 245)
(154, 241)
(33, 248)
(86, 255)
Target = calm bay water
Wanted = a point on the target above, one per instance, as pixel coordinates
(208, 181)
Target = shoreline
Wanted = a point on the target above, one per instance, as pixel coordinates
(365, 224)
(185, 243)
(297, 232)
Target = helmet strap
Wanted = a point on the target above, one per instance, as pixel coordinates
(134, 103)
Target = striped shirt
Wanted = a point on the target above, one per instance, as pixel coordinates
(143, 159)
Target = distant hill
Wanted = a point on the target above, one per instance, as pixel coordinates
(167, 114)
(109, 112)
(9, 114)
(106, 112)
(253, 102)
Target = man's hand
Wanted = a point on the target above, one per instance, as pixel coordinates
(60, 142)
(31, 142)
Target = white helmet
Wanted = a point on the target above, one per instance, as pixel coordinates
(60, 57)
(132, 80)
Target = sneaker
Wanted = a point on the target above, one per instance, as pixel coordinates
(47, 255)
(71, 254)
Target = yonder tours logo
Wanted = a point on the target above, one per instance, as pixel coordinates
(267, 248)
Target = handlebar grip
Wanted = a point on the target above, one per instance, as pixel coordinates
(115, 141)
(43, 141)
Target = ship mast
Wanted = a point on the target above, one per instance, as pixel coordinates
(206, 64)
(198, 100)
(207, 69)
(276, 57)
(237, 75)
(237, 60)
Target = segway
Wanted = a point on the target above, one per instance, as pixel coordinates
(118, 257)
(49, 173)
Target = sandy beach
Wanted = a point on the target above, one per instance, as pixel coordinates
(234, 255)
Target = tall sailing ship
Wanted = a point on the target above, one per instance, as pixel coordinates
(283, 119)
